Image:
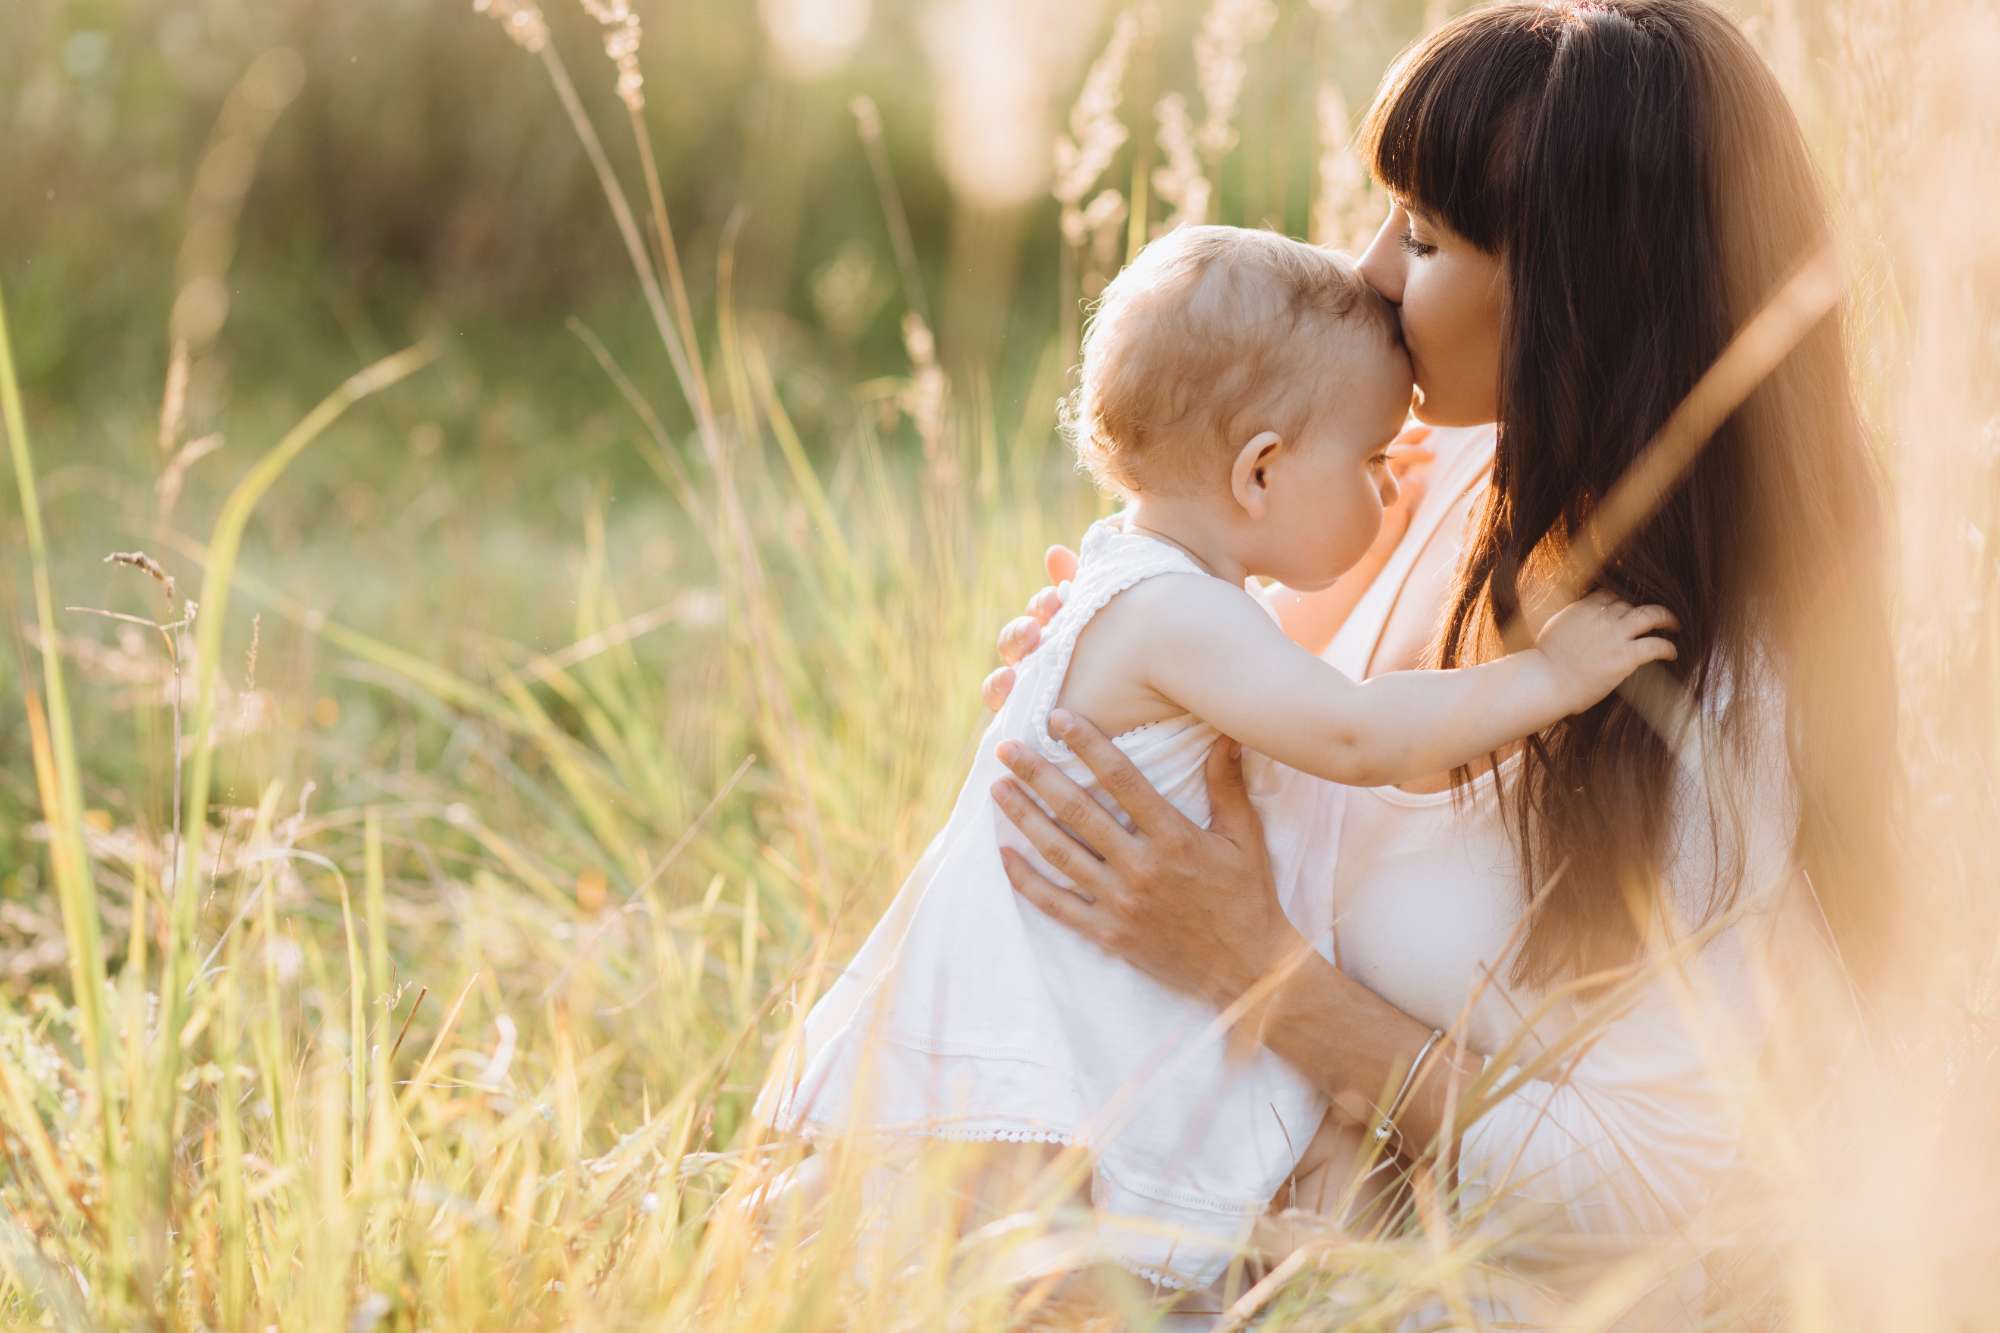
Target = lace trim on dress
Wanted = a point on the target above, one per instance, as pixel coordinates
(818, 1131)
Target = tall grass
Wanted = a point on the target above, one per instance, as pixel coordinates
(476, 1051)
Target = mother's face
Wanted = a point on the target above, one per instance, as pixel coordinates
(1449, 293)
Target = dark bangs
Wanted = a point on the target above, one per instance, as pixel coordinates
(1442, 131)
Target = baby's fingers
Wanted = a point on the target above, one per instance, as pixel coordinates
(1651, 648)
(1019, 637)
(1044, 604)
(996, 687)
(1647, 619)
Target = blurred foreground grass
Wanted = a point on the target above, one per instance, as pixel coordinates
(536, 752)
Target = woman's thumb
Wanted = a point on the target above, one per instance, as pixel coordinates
(1229, 805)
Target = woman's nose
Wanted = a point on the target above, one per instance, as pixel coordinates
(1381, 264)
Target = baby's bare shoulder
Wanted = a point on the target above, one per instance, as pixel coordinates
(1169, 613)
(1115, 652)
(1173, 607)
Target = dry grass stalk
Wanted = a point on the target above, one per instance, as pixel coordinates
(144, 563)
(1194, 151)
(1103, 222)
(1228, 30)
(167, 490)
(868, 123)
(521, 20)
(1340, 201)
(173, 399)
(1095, 131)
(924, 397)
(621, 45)
(1180, 179)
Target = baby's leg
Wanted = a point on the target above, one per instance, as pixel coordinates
(1315, 1199)
(1325, 1168)
(915, 1194)
(773, 1201)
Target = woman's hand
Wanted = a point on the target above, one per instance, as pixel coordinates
(1021, 635)
(1197, 909)
(1193, 907)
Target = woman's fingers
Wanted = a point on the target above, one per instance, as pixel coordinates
(1414, 458)
(1019, 637)
(1091, 827)
(1228, 796)
(1071, 858)
(1044, 604)
(999, 683)
(1063, 904)
(1060, 562)
(1153, 816)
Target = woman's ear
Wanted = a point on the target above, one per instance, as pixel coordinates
(1249, 479)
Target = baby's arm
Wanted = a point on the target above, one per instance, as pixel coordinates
(1214, 652)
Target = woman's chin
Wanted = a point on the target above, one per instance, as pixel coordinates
(1443, 412)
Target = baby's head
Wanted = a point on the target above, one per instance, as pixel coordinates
(1254, 378)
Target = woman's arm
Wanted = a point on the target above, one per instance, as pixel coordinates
(1623, 1134)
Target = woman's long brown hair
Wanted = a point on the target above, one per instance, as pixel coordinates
(1637, 169)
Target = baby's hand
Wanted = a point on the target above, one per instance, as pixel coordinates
(1593, 644)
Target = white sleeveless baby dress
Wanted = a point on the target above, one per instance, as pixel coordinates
(969, 1014)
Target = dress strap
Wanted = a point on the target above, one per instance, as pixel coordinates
(1113, 558)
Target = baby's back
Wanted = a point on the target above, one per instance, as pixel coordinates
(970, 1014)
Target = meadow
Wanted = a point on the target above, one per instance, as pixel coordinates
(508, 512)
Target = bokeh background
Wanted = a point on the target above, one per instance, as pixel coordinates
(574, 708)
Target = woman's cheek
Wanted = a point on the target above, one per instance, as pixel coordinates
(1419, 336)
(1446, 333)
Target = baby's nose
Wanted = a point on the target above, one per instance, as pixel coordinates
(1389, 488)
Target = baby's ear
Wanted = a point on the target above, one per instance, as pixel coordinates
(1249, 479)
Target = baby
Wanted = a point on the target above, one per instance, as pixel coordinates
(1239, 391)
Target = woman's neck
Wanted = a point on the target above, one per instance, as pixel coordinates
(1192, 525)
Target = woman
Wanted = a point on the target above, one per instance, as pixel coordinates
(1589, 199)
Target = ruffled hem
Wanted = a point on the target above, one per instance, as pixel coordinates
(819, 1133)
(815, 1131)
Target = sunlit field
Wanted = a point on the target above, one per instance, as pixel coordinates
(507, 515)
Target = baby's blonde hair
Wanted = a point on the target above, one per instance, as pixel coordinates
(1209, 335)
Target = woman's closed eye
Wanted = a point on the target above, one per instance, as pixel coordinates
(1421, 249)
